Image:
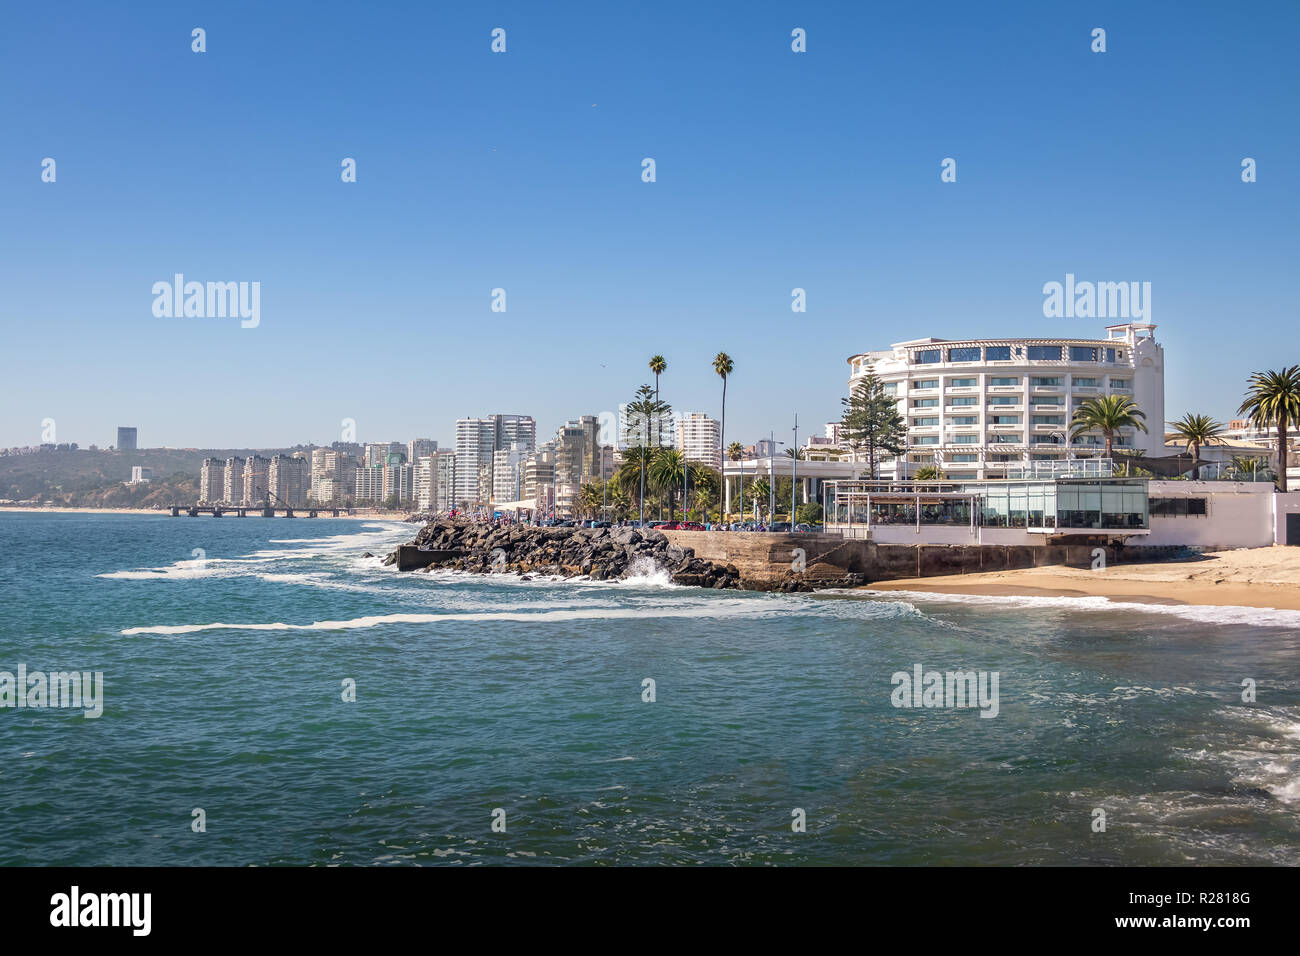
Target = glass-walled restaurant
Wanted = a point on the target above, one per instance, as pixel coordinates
(1063, 505)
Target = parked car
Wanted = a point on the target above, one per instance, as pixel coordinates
(780, 526)
(803, 528)
(690, 526)
(667, 526)
(600, 524)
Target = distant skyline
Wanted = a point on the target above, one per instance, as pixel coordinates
(522, 171)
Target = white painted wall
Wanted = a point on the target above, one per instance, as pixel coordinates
(1239, 515)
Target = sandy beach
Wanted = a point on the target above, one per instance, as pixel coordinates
(1248, 577)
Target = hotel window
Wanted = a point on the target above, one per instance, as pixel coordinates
(922, 422)
(926, 356)
(1003, 400)
(967, 400)
(1177, 507)
(926, 440)
(1082, 353)
(1047, 419)
(1005, 458)
(1004, 381)
(926, 383)
(964, 440)
(971, 354)
(1005, 419)
(964, 420)
(1045, 400)
(965, 458)
(963, 382)
(1046, 381)
(1047, 457)
(997, 353)
(1087, 382)
(1110, 355)
(1044, 353)
(891, 388)
(1121, 383)
(925, 403)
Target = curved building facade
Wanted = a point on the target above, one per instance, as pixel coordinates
(978, 408)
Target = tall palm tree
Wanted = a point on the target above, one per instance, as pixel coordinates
(658, 365)
(1196, 431)
(1273, 399)
(723, 365)
(1107, 414)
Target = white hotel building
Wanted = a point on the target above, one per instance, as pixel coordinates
(978, 408)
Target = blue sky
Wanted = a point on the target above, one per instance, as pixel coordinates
(522, 171)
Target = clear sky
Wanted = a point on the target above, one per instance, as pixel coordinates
(522, 171)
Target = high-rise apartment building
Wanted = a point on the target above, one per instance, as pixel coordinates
(369, 483)
(256, 473)
(126, 439)
(977, 408)
(446, 499)
(233, 491)
(212, 481)
(699, 437)
(418, 448)
(288, 480)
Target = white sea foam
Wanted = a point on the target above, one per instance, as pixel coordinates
(713, 609)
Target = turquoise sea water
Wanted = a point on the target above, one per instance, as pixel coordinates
(475, 694)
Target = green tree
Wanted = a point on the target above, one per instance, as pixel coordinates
(1196, 431)
(642, 410)
(810, 513)
(667, 472)
(1273, 400)
(870, 420)
(927, 473)
(1107, 414)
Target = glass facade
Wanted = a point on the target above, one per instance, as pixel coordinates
(1044, 353)
(1063, 505)
(969, 354)
(997, 353)
(926, 356)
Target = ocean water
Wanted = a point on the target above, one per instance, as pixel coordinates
(224, 673)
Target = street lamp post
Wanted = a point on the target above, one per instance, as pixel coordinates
(794, 469)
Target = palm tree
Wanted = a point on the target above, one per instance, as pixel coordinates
(645, 408)
(797, 453)
(667, 472)
(927, 473)
(631, 472)
(1246, 465)
(1195, 431)
(1107, 414)
(1274, 399)
(723, 365)
(590, 500)
(658, 365)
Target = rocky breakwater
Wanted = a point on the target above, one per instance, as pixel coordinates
(601, 554)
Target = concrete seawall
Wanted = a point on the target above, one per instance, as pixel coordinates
(770, 560)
